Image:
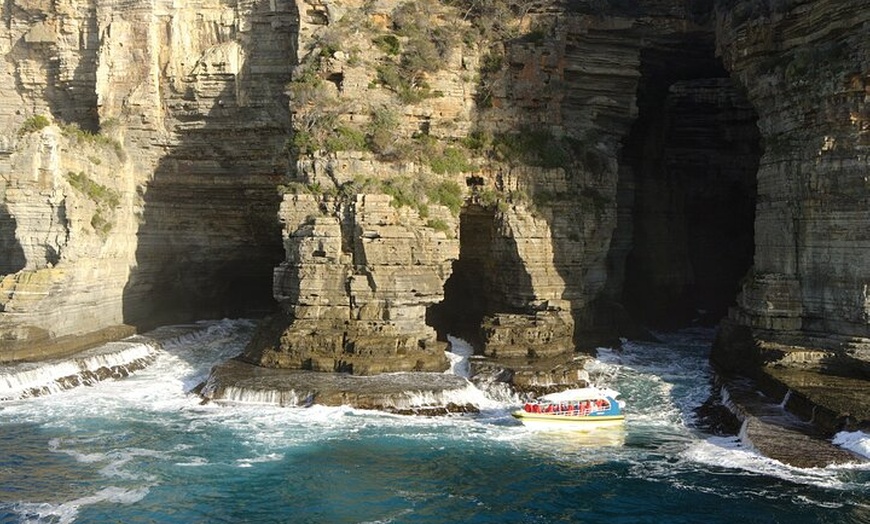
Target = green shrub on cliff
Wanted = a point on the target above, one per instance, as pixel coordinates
(440, 225)
(382, 132)
(415, 48)
(406, 192)
(389, 44)
(97, 192)
(492, 19)
(534, 148)
(450, 160)
(415, 193)
(345, 138)
(74, 132)
(448, 194)
(106, 200)
(490, 198)
(33, 124)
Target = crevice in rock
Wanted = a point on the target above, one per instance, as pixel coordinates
(13, 259)
(691, 161)
(465, 292)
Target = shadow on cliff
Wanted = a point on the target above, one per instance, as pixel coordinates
(488, 277)
(13, 259)
(684, 205)
(209, 235)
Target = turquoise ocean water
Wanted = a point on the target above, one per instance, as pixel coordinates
(143, 449)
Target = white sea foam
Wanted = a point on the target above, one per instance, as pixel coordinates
(731, 453)
(66, 512)
(36, 379)
(177, 344)
(193, 462)
(460, 352)
(855, 441)
(660, 392)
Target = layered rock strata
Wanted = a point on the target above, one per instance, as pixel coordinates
(800, 326)
(769, 428)
(579, 127)
(69, 238)
(804, 67)
(354, 288)
(179, 112)
(405, 393)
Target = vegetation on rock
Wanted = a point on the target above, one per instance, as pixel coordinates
(33, 124)
(76, 133)
(106, 200)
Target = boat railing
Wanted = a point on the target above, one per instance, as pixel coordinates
(570, 409)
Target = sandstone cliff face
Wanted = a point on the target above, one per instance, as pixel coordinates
(67, 231)
(192, 98)
(355, 286)
(804, 66)
(571, 160)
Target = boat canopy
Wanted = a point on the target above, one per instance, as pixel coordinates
(580, 394)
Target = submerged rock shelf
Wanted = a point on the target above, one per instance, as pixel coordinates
(109, 361)
(422, 393)
(776, 433)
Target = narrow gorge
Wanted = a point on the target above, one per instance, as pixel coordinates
(538, 178)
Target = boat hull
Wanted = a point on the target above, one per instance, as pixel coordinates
(548, 421)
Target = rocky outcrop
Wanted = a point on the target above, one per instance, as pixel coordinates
(804, 67)
(71, 243)
(405, 393)
(355, 286)
(537, 178)
(774, 432)
(800, 325)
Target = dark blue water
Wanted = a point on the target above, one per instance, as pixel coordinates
(143, 450)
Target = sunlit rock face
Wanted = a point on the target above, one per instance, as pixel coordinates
(358, 277)
(608, 173)
(152, 198)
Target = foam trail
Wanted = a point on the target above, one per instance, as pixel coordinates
(785, 399)
(66, 512)
(271, 397)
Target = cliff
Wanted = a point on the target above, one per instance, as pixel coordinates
(804, 67)
(174, 119)
(537, 177)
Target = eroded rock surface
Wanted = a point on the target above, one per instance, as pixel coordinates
(406, 393)
(804, 67)
(354, 289)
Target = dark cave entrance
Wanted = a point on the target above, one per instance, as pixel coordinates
(465, 292)
(692, 158)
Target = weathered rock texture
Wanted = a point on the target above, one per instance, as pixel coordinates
(182, 222)
(600, 158)
(68, 241)
(355, 286)
(804, 66)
